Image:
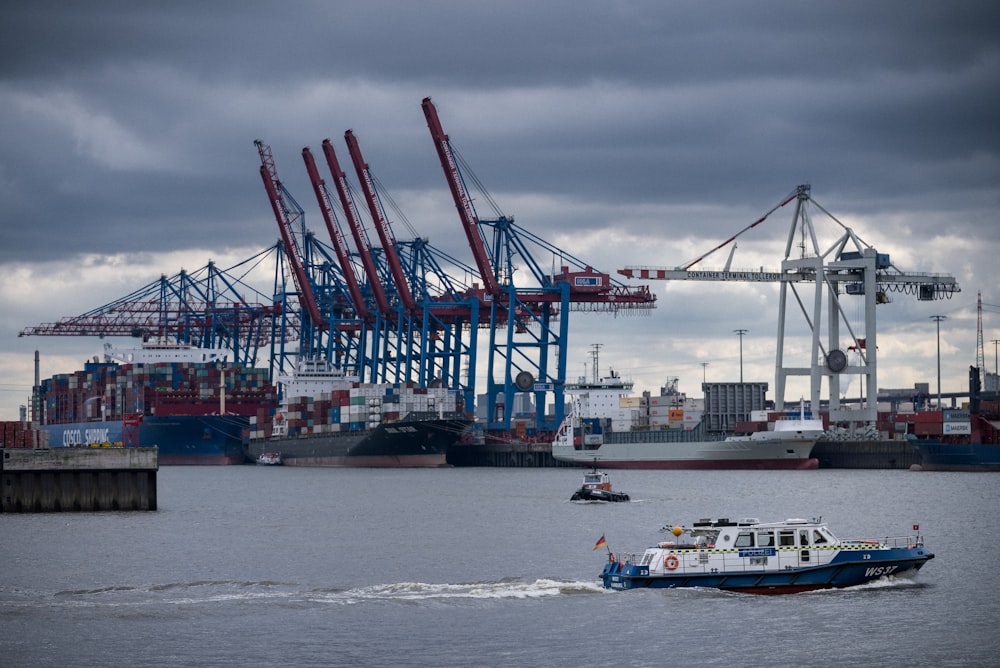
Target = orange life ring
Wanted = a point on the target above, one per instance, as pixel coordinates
(671, 562)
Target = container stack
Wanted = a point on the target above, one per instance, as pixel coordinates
(17, 434)
(933, 424)
(666, 412)
(107, 391)
(362, 407)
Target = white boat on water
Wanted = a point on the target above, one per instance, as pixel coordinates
(597, 487)
(269, 459)
(757, 557)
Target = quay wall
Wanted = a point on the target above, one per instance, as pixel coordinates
(77, 479)
(830, 455)
(865, 454)
(515, 455)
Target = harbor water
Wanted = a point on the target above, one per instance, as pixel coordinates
(277, 566)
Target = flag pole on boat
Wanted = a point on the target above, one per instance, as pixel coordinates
(601, 542)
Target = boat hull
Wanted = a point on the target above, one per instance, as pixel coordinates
(182, 440)
(937, 456)
(601, 495)
(847, 570)
(409, 443)
(695, 455)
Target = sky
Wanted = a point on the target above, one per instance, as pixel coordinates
(633, 133)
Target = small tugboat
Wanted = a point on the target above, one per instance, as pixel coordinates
(751, 556)
(597, 487)
(269, 459)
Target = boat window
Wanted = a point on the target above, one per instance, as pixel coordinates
(786, 538)
(803, 538)
(744, 540)
(818, 538)
(765, 539)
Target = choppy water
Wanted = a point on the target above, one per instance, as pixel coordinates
(256, 566)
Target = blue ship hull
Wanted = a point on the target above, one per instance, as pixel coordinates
(848, 569)
(937, 456)
(182, 440)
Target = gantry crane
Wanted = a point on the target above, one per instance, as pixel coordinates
(328, 323)
(433, 337)
(532, 354)
(286, 218)
(210, 308)
(847, 267)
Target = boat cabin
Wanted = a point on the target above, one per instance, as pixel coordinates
(750, 537)
(752, 533)
(596, 480)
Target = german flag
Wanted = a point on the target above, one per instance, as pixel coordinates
(601, 543)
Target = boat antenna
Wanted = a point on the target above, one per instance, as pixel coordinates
(595, 353)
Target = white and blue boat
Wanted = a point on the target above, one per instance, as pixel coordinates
(757, 557)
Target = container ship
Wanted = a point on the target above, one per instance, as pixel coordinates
(329, 419)
(189, 402)
(956, 440)
(589, 434)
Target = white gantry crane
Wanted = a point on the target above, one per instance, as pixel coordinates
(847, 267)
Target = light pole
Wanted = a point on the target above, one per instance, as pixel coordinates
(996, 367)
(740, 333)
(938, 319)
(704, 366)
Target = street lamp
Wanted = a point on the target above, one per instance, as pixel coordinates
(938, 319)
(740, 333)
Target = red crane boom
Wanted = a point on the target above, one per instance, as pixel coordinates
(336, 236)
(357, 231)
(269, 174)
(385, 234)
(470, 222)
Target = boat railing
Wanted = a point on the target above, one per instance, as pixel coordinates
(888, 541)
(801, 556)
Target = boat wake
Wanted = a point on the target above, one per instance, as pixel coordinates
(420, 591)
(288, 593)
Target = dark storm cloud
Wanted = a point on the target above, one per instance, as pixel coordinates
(142, 114)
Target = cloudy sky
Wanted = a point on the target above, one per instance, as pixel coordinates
(627, 133)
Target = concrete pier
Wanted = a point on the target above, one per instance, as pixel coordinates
(77, 479)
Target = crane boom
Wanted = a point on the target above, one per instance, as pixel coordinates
(385, 234)
(357, 231)
(336, 236)
(466, 212)
(269, 174)
(847, 267)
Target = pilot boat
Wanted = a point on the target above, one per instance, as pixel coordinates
(756, 557)
(597, 487)
(269, 459)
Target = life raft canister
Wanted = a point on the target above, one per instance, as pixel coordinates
(671, 562)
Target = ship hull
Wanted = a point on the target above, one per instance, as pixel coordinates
(410, 443)
(791, 454)
(836, 575)
(937, 456)
(182, 440)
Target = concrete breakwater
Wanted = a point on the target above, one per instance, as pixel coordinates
(77, 479)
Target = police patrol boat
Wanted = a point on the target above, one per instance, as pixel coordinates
(757, 557)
